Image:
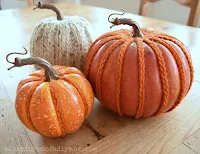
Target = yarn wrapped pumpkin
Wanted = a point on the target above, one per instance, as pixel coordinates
(55, 101)
(62, 41)
(139, 73)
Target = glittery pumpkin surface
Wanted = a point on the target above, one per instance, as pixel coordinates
(54, 108)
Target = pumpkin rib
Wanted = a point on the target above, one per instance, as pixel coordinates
(70, 70)
(56, 47)
(27, 103)
(32, 47)
(52, 35)
(36, 33)
(87, 35)
(189, 61)
(141, 60)
(73, 38)
(74, 29)
(28, 106)
(80, 93)
(56, 106)
(42, 90)
(163, 76)
(38, 73)
(120, 62)
(92, 54)
(42, 93)
(42, 47)
(76, 100)
(61, 44)
(102, 65)
(28, 80)
(180, 68)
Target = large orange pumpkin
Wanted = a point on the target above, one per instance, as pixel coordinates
(54, 101)
(139, 73)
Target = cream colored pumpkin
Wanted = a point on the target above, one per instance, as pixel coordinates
(62, 41)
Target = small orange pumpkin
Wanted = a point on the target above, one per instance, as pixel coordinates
(141, 73)
(54, 101)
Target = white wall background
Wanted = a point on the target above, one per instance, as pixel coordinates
(163, 10)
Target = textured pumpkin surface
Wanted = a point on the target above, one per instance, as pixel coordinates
(63, 42)
(54, 108)
(139, 76)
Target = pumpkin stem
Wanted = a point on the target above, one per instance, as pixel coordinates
(110, 20)
(58, 12)
(126, 21)
(50, 72)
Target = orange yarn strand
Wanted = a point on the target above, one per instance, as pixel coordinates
(163, 75)
(172, 37)
(120, 62)
(180, 68)
(91, 54)
(141, 60)
(108, 34)
(181, 45)
(102, 65)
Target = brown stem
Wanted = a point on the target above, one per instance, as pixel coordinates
(126, 21)
(58, 12)
(50, 72)
(130, 22)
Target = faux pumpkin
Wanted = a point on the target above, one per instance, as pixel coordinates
(63, 40)
(54, 101)
(139, 73)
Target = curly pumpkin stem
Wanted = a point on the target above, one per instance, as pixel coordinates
(58, 12)
(50, 72)
(126, 21)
